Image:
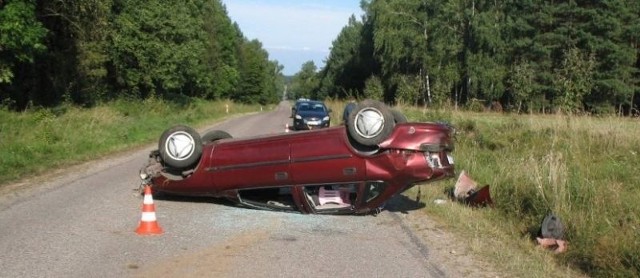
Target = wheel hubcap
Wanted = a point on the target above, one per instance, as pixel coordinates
(180, 145)
(369, 122)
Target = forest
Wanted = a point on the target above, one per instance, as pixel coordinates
(84, 52)
(519, 56)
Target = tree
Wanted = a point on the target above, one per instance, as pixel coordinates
(485, 48)
(21, 37)
(373, 88)
(257, 75)
(21, 41)
(400, 37)
(158, 48)
(609, 30)
(408, 90)
(75, 67)
(574, 80)
(521, 83)
(346, 67)
(304, 83)
(86, 51)
(223, 40)
(419, 40)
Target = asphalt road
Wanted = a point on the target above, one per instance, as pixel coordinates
(81, 221)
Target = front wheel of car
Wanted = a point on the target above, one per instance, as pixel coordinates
(215, 135)
(370, 123)
(398, 117)
(180, 147)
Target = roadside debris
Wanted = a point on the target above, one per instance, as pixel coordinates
(466, 191)
(440, 201)
(552, 234)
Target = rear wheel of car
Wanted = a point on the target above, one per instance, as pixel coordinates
(398, 117)
(180, 147)
(215, 135)
(347, 111)
(370, 123)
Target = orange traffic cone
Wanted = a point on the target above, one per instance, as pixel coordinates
(148, 223)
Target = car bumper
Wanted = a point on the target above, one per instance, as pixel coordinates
(302, 125)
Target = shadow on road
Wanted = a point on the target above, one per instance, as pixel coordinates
(399, 203)
(403, 204)
(193, 199)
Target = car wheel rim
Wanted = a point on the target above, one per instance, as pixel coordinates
(180, 145)
(369, 122)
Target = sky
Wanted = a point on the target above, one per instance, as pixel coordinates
(293, 31)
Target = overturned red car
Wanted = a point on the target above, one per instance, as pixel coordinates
(349, 169)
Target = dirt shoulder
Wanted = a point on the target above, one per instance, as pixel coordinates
(446, 249)
(442, 247)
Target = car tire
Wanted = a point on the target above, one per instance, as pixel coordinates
(370, 123)
(180, 147)
(398, 117)
(347, 111)
(215, 135)
(363, 149)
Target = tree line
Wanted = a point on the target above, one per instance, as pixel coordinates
(86, 51)
(525, 56)
(533, 56)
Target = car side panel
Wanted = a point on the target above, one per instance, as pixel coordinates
(325, 158)
(418, 136)
(250, 163)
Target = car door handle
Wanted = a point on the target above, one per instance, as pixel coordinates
(349, 171)
(282, 176)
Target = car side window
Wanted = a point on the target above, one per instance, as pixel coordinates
(374, 189)
(331, 197)
(275, 198)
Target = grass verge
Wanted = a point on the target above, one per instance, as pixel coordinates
(38, 140)
(581, 168)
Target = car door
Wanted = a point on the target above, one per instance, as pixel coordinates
(256, 163)
(324, 157)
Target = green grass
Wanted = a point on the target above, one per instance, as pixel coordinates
(39, 140)
(584, 169)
